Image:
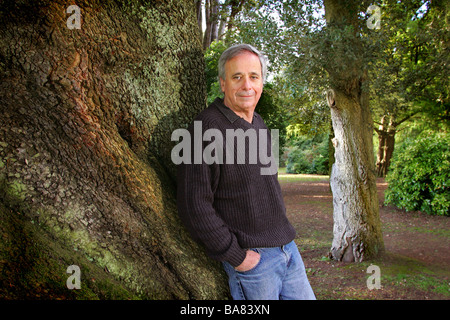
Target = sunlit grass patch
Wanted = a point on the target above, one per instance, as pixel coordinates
(291, 177)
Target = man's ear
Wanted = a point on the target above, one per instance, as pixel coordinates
(222, 84)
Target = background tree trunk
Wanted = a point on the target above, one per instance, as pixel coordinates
(85, 171)
(357, 230)
(386, 144)
(211, 19)
(198, 6)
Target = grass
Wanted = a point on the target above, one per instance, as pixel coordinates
(437, 232)
(403, 274)
(291, 177)
(401, 278)
(401, 271)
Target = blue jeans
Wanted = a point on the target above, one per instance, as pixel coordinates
(279, 275)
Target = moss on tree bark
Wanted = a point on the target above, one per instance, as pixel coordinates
(85, 174)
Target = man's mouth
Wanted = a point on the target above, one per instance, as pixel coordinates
(246, 95)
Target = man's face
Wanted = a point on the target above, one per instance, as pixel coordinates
(243, 82)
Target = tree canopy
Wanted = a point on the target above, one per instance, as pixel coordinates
(406, 57)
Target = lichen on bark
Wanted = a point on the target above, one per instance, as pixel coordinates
(86, 116)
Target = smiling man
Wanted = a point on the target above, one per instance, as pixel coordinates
(243, 85)
(236, 212)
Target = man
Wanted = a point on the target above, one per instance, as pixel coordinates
(236, 212)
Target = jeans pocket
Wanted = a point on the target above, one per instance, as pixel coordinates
(258, 251)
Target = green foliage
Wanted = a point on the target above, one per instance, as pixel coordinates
(419, 176)
(272, 113)
(409, 74)
(308, 155)
(212, 55)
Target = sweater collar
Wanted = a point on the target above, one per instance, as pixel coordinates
(227, 112)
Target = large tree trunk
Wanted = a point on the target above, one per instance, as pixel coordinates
(85, 171)
(357, 230)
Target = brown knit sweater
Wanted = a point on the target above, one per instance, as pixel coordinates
(231, 207)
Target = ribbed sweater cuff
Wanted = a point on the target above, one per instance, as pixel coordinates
(236, 256)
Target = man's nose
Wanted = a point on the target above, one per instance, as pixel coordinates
(246, 85)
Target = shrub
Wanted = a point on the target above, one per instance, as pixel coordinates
(309, 155)
(419, 176)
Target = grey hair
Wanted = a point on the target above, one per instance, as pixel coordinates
(237, 49)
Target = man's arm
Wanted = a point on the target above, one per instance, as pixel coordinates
(195, 197)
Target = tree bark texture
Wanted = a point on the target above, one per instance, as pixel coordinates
(357, 230)
(211, 20)
(386, 143)
(85, 125)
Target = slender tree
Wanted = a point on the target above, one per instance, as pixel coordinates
(212, 22)
(220, 19)
(357, 228)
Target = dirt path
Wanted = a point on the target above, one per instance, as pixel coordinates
(416, 262)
